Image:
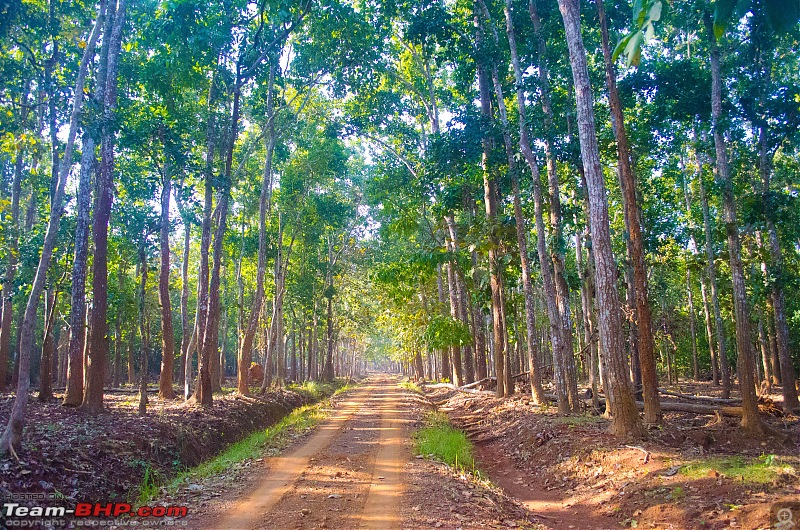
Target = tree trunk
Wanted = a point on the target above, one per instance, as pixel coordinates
(765, 360)
(558, 245)
(98, 346)
(467, 361)
(186, 331)
(704, 278)
(745, 362)
(646, 345)
(117, 374)
(74, 391)
(455, 350)
(534, 362)
(11, 270)
(48, 345)
(588, 315)
(201, 314)
(12, 435)
(246, 348)
(143, 333)
(777, 280)
(622, 406)
(446, 370)
(165, 389)
(711, 272)
(689, 288)
(490, 202)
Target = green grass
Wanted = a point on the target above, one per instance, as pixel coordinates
(412, 387)
(316, 390)
(272, 439)
(761, 470)
(440, 441)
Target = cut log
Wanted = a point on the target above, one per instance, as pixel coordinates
(477, 383)
(709, 399)
(462, 389)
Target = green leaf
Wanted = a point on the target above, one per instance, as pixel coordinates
(633, 49)
(655, 11)
(621, 45)
(723, 12)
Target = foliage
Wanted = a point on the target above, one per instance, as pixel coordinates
(440, 441)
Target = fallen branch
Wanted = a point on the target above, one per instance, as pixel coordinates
(643, 450)
(477, 383)
(461, 389)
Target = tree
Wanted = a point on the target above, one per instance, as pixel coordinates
(98, 326)
(652, 406)
(621, 404)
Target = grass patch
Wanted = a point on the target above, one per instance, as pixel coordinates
(316, 390)
(270, 440)
(761, 470)
(440, 441)
(411, 387)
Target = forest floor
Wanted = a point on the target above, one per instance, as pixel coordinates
(695, 472)
(117, 456)
(358, 468)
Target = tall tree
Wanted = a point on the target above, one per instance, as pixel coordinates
(745, 361)
(644, 328)
(621, 403)
(98, 325)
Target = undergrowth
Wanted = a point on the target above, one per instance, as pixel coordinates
(761, 470)
(441, 441)
(412, 387)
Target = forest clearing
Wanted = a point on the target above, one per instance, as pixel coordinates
(400, 263)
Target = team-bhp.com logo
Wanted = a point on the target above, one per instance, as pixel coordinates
(84, 514)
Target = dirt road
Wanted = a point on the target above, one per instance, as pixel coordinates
(356, 470)
(346, 474)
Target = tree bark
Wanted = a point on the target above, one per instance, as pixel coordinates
(165, 389)
(745, 362)
(776, 281)
(622, 406)
(98, 345)
(646, 345)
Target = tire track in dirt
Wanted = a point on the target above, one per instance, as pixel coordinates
(284, 470)
(382, 508)
(348, 474)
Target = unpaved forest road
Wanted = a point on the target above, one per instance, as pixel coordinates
(347, 474)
